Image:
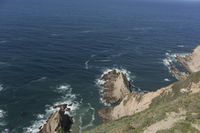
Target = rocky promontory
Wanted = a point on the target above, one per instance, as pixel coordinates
(134, 102)
(115, 87)
(173, 108)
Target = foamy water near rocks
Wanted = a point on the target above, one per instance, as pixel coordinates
(192, 61)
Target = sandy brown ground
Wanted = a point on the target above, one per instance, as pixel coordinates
(166, 123)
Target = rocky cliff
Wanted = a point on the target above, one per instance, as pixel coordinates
(169, 109)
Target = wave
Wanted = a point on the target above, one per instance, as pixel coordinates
(171, 59)
(66, 96)
(181, 46)
(103, 60)
(166, 79)
(90, 110)
(39, 80)
(100, 81)
(1, 87)
(3, 122)
(55, 35)
(86, 64)
(142, 28)
(85, 31)
(3, 41)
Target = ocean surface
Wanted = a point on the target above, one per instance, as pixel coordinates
(54, 51)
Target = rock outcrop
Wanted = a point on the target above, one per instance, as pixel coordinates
(184, 64)
(192, 61)
(51, 124)
(116, 87)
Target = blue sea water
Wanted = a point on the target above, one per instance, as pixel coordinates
(53, 51)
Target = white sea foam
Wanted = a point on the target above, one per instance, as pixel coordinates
(5, 131)
(100, 81)
(2, 116)
(166, 79)
(2, 113)
(171, 59)
(66, 96)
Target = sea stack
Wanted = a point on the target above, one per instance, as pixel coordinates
(115, 87)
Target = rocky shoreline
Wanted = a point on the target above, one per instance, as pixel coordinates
(189, 62)
(124, 102)
(128, 103)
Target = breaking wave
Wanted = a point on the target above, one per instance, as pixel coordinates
(171, 59)
(166, 79)
(67, 97)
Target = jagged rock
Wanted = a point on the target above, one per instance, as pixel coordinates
(51, 124)
(192, 61)
(116, 87)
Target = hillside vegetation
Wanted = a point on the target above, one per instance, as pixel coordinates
(177, 111)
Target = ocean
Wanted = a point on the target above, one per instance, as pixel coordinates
(54, 51)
